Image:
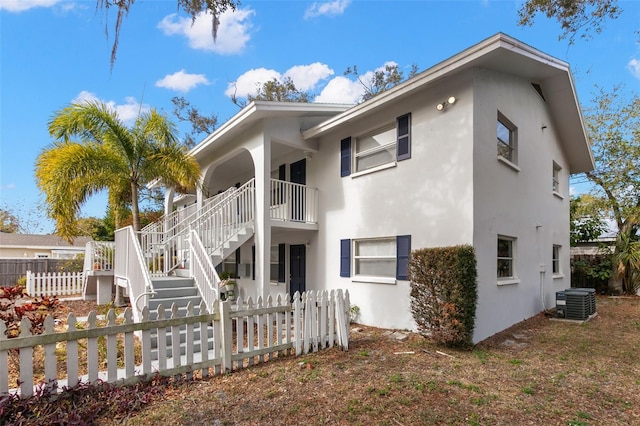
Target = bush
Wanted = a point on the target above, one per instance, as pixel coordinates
(444, 293)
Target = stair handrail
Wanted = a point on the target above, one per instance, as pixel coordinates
(230, 216)
(130, 269)
(174, 239)
(203, 272)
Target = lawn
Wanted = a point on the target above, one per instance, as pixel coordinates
(538, 372)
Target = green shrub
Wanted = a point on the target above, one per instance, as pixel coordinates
(444, 293)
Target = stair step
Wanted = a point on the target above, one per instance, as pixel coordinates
(180, 302)
(170, 293)
(172, 282)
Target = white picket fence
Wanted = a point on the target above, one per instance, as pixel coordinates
(54, 283)
(235, 338)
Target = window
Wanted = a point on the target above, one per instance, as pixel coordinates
(276, 269)
(376, 259)
(505, 258)
(555, 260)
(556, 178)
(375, 149)
(382, 146)
(507, 145)
(230, 264)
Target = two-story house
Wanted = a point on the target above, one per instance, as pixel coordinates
(475, 150)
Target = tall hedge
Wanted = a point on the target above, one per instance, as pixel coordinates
(444, 293)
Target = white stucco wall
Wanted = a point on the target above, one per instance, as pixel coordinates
(429, 196)
(517, 203)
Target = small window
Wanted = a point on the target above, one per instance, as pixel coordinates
(375, 257)
(274, 264)
(230, 264)
(505, 258)
(555, 260)
(556, 178)
(375, 149)
(506, 133)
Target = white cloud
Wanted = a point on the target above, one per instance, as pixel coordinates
(22, 5)
(182, 81)
(341, 90)
(127, 112)
(232, 37)
(248, 82)
(331, 8)
(8, 186)
(634, 67)
(306, 77)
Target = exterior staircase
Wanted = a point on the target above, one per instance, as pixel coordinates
(179, 291)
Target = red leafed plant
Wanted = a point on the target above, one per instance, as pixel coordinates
(15, 304)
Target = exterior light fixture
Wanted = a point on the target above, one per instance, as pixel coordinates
(442, 105)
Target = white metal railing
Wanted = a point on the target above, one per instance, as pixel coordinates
(229, 216)
(202, 270)
(263, 330)
(131, 270)
(98, 256)
(293, 202)
(164, 243)
(54, 284)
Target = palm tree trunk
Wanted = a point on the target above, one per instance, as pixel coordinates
(135, 210)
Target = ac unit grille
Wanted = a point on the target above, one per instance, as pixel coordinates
(576, 303)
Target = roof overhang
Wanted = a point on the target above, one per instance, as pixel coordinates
(508, 55)
(260, 110)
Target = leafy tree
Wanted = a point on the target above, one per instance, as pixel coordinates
(613, 124)
(110, 156)
(192, 7)
(574, 16)
(274, 90)
(587, 222)
(9, 223)
(200, 124)
(381, 79)
(95, 228)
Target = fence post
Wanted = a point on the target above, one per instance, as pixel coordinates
(227, 336)
(30, 284)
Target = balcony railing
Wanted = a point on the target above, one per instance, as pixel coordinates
(293, 202)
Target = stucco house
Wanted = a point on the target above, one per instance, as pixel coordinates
(476, 150)
(28, 246)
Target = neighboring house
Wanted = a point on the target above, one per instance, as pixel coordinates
(476, 150)
(26, 246)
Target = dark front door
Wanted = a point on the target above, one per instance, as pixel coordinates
(298, 175)
(297, 269)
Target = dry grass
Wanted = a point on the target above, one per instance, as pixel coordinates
(538, 372)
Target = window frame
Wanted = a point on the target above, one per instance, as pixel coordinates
(556, 270)
(511, 144)
(375, 150)
(511, 258)
(555, 179)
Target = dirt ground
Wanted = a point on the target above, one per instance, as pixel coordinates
(538, 372)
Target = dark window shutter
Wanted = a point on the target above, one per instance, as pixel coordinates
(404, 137)
(403, 250)
(253, 262)
(345, 258)
(238, 262)
(282, 172)
(345, 157)
(281, 255)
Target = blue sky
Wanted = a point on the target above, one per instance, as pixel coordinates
(54, 52)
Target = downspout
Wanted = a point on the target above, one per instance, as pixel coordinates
(542, 266)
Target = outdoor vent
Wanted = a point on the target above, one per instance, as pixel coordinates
(576, 303)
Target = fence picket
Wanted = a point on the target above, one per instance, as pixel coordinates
(129, 359)
(47, 284)
(92, 349)
(4, 360)
(50, 360)
(26, 360)
(112, 349)
(72, 353)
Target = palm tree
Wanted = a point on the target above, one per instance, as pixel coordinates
(108, 155)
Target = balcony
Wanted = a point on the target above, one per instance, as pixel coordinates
(293, 205)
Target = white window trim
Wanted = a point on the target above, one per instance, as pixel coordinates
(513, 279)
(513, 136)
(556, 188)
(508, 163)
(355, 155)
(559, 273)
(371, 278)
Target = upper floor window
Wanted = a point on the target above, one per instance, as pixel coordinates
(507, 141)
(375, 149)
(378, 148)
(556, 178)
